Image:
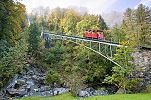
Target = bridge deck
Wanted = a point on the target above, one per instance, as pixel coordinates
(84, 39)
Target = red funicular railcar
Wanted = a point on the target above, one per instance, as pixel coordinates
(93, 34)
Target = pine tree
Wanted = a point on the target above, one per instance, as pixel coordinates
(12, 16)
(137, 25)
(102, 23)
(143, 20)
(130, 28)
(34, 38)
(118, 35)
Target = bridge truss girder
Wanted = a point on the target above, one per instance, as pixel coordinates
(102, 48)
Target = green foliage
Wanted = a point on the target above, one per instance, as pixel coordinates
(11, 17)
(52, 77)
(148, 88)
(122, 76)
(129, 27)
(75, 81)
(136, 25)
(71, 22)
(81, 26)
(143, 18)
(76, 65)
(133, 84)
(89, 22)
(133, 33)
(13, 41)
(13, 59)
(102, 23)
(117, 34)
(34, 38)
(54, 55)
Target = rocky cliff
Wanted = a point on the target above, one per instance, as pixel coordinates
(142, 60)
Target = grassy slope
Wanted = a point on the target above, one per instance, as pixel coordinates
(68, 96)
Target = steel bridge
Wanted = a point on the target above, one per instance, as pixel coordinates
(104, 48)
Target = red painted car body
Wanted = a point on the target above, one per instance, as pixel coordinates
(93, 34)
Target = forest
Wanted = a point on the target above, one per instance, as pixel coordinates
(65, 62)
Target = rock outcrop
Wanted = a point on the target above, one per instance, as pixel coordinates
(142, 60)
(29, 82)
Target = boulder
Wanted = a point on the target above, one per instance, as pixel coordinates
(38, 78)
(16, 92)
(36, 90)
(121, 91)
(111, 89)
(21, 82)
(102, 92)
(60, 90)
(46, 93)
(83, 93)
(91, 91)
(12, 82)
(30, 72)
(1, 94)
(44, 88)
(30, 82)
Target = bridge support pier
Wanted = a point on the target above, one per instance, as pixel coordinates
(111, 50)
(99, 47)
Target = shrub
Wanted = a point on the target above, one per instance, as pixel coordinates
(148, 88)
